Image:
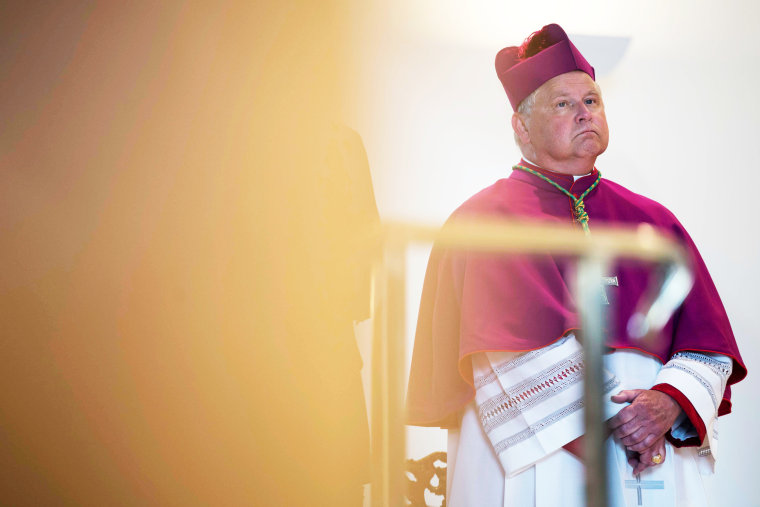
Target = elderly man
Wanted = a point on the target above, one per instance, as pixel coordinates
(496, 360)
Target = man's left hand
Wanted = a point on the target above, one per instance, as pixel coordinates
(642, 423)
(643, 460)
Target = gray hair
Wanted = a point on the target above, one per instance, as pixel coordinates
(525, 109)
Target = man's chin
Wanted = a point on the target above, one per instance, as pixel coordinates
(592, 148)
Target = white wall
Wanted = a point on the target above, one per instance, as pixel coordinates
(681, 107)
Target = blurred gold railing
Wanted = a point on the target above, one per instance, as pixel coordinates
(594, 253)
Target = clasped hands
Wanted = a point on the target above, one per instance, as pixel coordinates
(640, 427)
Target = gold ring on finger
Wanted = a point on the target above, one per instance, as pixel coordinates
(657, 459)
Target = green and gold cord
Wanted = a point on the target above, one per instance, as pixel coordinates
(579, 208)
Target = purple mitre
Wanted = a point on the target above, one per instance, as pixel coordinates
(544, 54)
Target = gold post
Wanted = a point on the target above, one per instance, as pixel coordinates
(388, 433)
(593, 315)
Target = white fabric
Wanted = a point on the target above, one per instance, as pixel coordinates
(702, 379)
(530, 404)
(476, 476)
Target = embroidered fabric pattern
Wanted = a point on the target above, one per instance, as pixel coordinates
(533, 390)
(697, 376)
(535, 428)
(507, 366)
(549, 420)
(719, 367)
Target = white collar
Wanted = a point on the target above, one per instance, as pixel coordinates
(575, 178)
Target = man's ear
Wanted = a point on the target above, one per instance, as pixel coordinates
(521, 130)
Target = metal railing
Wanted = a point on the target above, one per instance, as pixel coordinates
(594, 253)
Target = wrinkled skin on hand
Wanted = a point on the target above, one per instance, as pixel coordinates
(641, 426)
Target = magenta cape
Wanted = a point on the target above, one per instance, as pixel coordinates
(474, 302)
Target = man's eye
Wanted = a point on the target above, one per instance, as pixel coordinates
(590, 101)
(562, 103)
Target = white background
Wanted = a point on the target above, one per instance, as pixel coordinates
(679, 83)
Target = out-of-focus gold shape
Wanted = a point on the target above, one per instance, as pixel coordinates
(171, 238)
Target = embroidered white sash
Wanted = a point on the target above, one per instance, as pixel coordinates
(527, 405)
(530, 404)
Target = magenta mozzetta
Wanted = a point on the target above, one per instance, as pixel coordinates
(474, 302)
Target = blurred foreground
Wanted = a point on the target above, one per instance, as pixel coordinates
(178, 211)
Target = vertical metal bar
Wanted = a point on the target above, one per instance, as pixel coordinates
(593, 314)
(378, 490)
(396, 261)
(388, 432)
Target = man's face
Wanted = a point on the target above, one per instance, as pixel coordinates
(568, 125)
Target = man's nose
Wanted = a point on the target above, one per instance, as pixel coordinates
(583, 113)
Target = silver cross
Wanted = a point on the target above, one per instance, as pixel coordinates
(608, 280)
(639, 485)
